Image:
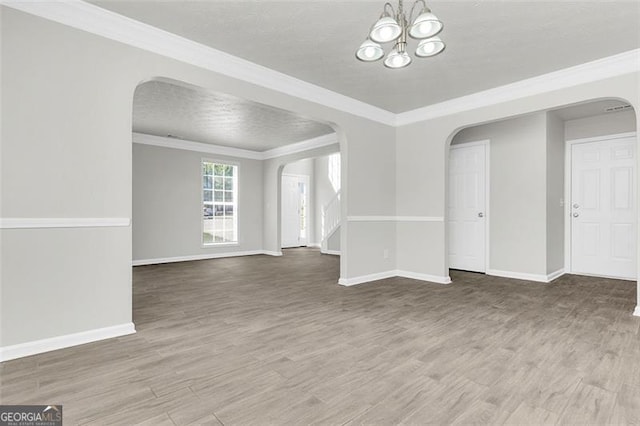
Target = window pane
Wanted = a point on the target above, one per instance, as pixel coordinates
(228, 210)
(218, 183)
(228, 196)
(218, 196)
(229, 236)
(207, 169)
(207, 210)
(228, 183)
(228, 170)
(207, 182)
(218, 169)
(207, 195)
(219, 209)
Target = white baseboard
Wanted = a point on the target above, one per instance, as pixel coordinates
(314, 245)
(557, 274)
(157, 261)
(394, 273)
(637, 311)
(366, 278)
(525, 276)
(51, 344)
(271, 253)
(331, 252)
(424, 277)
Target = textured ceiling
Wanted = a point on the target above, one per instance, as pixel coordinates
(489, 43)
(161, 109)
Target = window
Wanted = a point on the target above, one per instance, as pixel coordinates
(334, 171)
(219, 203)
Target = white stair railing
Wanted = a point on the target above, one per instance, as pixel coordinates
(330, 218)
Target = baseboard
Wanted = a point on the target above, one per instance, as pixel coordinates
(424, 277)
(331, 252)
(366, 278)
(394, 273)
(157, 261)
(51, 344)
(637, 311)
(314, 245)
(557, 274)
(525, 276)
(271, 253)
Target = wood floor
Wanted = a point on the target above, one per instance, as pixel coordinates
(263, 340)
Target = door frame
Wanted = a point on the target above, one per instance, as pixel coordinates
(487, 197)
(307, 181)
(567, 193)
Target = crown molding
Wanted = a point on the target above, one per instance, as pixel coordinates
(294, 148)
(164, 142)
(611, 66)
(93, 19)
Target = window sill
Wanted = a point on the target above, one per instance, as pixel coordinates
(212, 245)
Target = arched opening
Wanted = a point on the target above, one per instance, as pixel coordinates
(310, 208)
(206, 171)
(521, 204)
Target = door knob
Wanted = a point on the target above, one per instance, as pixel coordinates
(576, 214)
(576, 205)
(480, 214)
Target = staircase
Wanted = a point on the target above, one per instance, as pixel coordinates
(331, 217)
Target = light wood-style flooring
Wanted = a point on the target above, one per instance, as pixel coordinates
(263, 340)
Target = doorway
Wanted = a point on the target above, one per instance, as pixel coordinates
(602, 206)
(295, 210)
(468, 205)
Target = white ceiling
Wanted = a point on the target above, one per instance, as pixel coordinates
(161, 109)
(489, 43)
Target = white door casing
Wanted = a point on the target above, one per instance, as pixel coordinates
(294, 210)
(467, 210)
(602, 208)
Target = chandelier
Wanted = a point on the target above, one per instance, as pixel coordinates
(393, 25)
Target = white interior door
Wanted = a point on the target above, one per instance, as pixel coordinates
(467, 210)
(603, 208)
(294, 210)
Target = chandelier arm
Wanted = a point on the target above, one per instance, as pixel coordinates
(424, 8)
(384, 10)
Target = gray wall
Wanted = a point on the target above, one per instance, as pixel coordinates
(555, 193)
(167, 210)
(601, 125)
(67, 96)
(518, 191)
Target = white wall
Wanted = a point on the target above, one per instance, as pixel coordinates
(555, 193)
(421, 164)
(67, 96)
(167, 203)
(518, 191)
(601, 125)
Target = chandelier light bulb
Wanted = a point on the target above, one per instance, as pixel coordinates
(397, 59)
(385, 30)
(430, 47)
(369, 51)
(426, 25)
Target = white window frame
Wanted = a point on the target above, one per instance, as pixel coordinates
(235, 203)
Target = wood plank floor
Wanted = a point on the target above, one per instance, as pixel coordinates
(263, 340)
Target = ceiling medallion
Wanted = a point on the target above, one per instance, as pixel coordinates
(393, 25)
